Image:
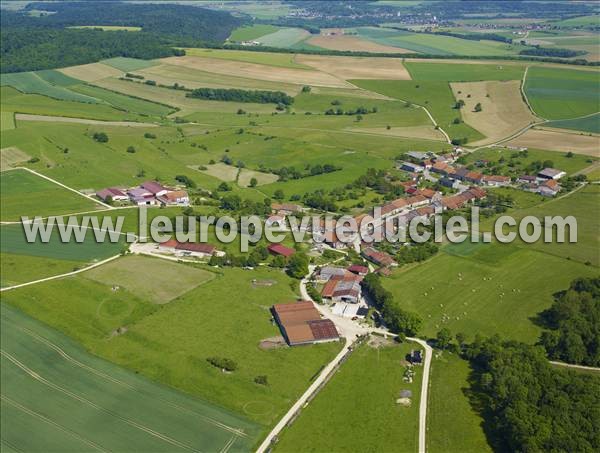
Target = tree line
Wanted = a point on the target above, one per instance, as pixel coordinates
(238, 95)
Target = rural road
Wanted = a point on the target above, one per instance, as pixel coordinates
(578, 367)
(350, 331)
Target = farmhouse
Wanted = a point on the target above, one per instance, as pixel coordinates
(549, 188)
(327, 272)
(347, 291)
(496, 180)
(358, 269)
(280, 250)
(527, 179)
(300, 323)
(551, 173)
(474, 177)
(112, 193)
(154, 188)
(174, 198)
(141, 197)
(377, 257)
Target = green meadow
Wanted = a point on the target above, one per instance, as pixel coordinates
(251, 32)
(557, 94)
(457, 72)
(356, 409)
(26, 194)
(283, 60)
(128, 64)
(285, 37)
(53, 387)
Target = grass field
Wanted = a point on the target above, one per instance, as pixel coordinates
(449, 400)
(251, 32)
(503, 110)
(557, 94)
(26, 194)
(24, 268)
(128, 64)
(170, 343)
(588, 124)
(169, 280)
(12, 157)
(284, 38)
(91, 72)
(463, 72)
(491, 288)
(437, 97)
(7, 120)
(353, 43)
(281, 60)
(74, 401)
(33, 83)
(357, 410)
(580, 21)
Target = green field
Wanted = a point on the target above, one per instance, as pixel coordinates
(251, 32)
(557, 94)
(75, 401)
(357, 410)
(436, 45)
(128, 64)
(33, 83)
(454, 72)
(283, 60)
(18, 268)
(587, 124)
(485, 288)
(449, 399)
(437, 97)
(170, 343)
(285, 37)
(26, 194)
(581, 21)
(7, 120)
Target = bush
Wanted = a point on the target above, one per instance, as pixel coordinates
(100, 137)
(130, 149)
(149, 135)
(261, 380)
(222, 363)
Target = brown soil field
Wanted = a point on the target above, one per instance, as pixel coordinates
(349, 42)
(503, 110)
(63, 119)
(422, 132)
(91, 72)
(258, 71)
(357, 67)
(559, 141)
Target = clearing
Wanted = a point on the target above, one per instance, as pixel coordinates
(357, 67)
(75, 401)
(169, 279)
(559, 140)
(355, 410)
(503, 110)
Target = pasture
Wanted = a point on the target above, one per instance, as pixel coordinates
(558, 140)
(467, 71)
(169, 279)
(26, 194)
(226, 317)
(7, 120)
(125, 64)
(557, 94)
(491, 288)
(503, 110)
(75, 401)
(251, 32)
(284, 37)
(11, 157)
(356, 409)
(449, 394)
(282, 60)
(18, 268)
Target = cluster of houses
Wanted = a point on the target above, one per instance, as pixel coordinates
(342, 288)
(453, 176)
(149, 193)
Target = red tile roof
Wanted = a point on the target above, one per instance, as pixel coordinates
(358, 269)
(278, 249)
(300, 322)
(153, 187)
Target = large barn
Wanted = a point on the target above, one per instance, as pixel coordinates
(301, 323)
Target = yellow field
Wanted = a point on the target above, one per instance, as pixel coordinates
(258, 71)
(11, 156)
(559, 141)
(503, 110)
(348, 42)
(357, 67)
(91, 72)
(422, 132)
(261, 178)
(222, 171)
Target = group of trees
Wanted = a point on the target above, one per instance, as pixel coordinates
(357, 111)
(396, 319)
(238, 95)
(286, 173)
(552, 52)
(573, 323)
(415, 253)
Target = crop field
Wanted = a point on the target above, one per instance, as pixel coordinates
(7, 120)
(436, 45)
(75, 401)
(437, 97)
(491, 288)
(128, 64)
(64, 119)
(587, 124)
(251, 32)
(557, 94)
(357, 67)
(33, 83)
(558, 140)
(503, 110)
(467, 71)
(258, 71)
(173, 343)
(11, 157)
(109, 27)
(284, 37)
(26, 194)
(353, 43)
(14, 241)
(91, 72)
(358, 406)
(581, 21)
(15, 101)
(449, 400)
(169, 280)
(282, 60)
